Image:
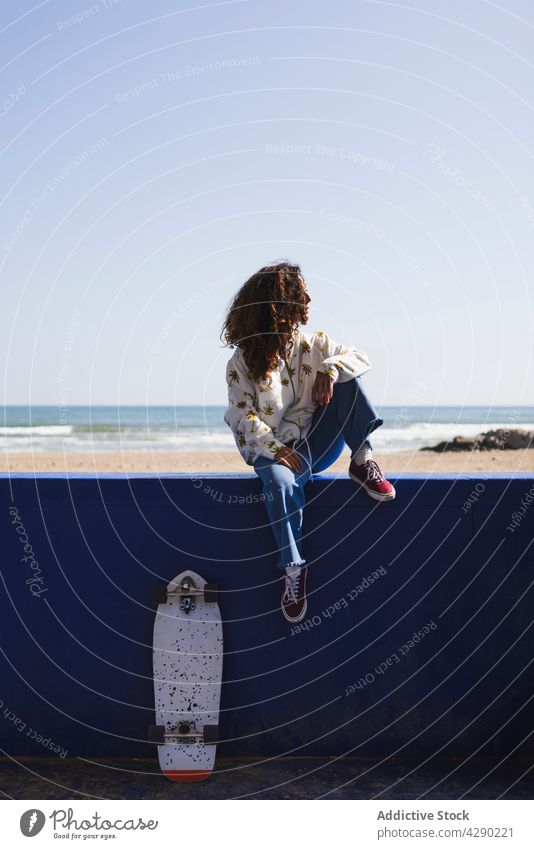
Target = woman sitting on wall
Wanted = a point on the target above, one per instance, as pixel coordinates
(294, 402)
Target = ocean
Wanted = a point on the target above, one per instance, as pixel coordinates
(181, 428)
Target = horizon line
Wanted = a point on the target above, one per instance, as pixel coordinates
(223, 404)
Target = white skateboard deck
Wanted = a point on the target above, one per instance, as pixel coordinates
(187, 658)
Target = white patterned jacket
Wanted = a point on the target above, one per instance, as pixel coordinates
(264, 416)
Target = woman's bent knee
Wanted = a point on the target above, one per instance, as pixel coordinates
(281, 478)
(274, 474)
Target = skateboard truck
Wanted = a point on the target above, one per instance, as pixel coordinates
(186, 592)
(187, 603)
(185, 732)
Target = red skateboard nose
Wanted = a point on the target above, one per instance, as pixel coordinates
(187, 774)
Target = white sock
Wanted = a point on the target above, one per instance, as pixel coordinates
(292, 571)
(363, 454)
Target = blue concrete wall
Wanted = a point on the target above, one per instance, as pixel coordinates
(76, 655)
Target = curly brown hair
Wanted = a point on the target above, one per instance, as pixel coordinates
(264, 315)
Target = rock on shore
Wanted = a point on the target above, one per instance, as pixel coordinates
(492, 439)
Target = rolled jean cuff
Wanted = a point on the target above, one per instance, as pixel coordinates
(283, 566)
(376, 423)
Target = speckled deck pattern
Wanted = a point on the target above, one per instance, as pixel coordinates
(187, 655)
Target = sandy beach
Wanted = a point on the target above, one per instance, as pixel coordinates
(519, 461)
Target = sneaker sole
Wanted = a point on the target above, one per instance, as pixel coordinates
(374, 495)
(299, 618)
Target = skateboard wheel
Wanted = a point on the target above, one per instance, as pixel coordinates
(211, 593)
(156, 734)
(211, 734)
(159, 593)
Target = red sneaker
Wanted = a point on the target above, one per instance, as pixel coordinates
(373, 481)
(294, 603)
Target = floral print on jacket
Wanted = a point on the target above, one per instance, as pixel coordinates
(264, 416)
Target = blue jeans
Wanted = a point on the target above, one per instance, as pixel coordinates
(348, 419)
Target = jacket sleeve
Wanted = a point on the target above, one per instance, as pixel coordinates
(253, 436)
(341, 362)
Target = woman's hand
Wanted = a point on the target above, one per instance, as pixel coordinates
(323, 388)
(287, 457)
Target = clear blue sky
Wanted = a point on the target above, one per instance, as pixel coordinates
(153, 158)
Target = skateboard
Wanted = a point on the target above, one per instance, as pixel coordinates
(187, 662)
